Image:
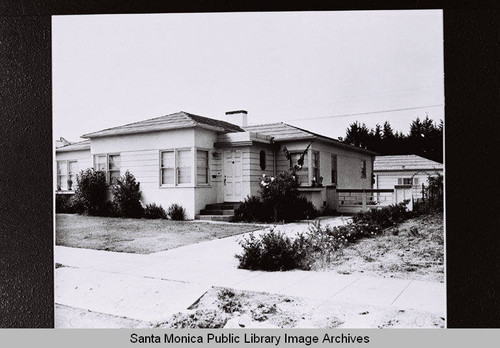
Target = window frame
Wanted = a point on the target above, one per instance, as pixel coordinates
(414, 181)
(315, 169)
(176, 167)
(67, 175)
(207, 167)
(107, 171)
(334, 169)
(306, 164)
(363, 169)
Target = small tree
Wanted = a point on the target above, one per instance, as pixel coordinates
(92, 191)
(127, 196)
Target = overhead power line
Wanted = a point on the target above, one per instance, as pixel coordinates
(366, 113)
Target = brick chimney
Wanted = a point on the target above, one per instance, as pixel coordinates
(237, 117)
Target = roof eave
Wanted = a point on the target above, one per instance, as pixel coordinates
(194, 125)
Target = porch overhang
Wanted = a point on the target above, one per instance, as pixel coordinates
(241, 139)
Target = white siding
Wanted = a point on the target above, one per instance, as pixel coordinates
(348, 163)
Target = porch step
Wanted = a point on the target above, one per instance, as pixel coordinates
(223, 206)
(226, 218)
(217, 212)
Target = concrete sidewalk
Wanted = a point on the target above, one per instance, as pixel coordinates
(151, 287)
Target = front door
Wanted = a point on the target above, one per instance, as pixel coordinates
(232, 175)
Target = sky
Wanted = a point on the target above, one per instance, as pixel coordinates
(315, 70)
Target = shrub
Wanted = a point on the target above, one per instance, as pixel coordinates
(228, 301)
(432, 202)
(300, 209)
(111, 209)
(279, 193)
(273, 251)
(154, 211)
(127, 196)
(383, 217)
(201, 319)
(176, 212)
(253, 209)
(67, 204)
(92, 191)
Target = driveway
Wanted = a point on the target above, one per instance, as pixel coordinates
(151, 287)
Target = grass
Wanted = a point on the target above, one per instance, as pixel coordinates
(138, 235)
(399, 253)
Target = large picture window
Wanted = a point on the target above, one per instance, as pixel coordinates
(175, 167)
(110, 165)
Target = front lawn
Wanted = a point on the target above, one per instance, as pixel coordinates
(138, 235)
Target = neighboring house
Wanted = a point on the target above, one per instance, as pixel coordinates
(197, 161)
(404, 170)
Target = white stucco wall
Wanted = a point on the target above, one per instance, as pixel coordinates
(348, 163)
(140, 154)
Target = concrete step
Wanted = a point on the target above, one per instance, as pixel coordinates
(217, 212)
(226, 218)
(223, 206)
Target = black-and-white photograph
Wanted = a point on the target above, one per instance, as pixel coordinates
(249, 170)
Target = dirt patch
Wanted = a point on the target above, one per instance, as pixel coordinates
(138, 235)
(229, 308)
(412, 250)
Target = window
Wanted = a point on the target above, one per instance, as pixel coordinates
(109, 164)
(72, 170)
(62, 175)
(334, 169)
(184, 166)
(202, 167)
(315, 166)
(262, 159)
(175, 167)
(167, 168)
(363, 170)
(303, 174)
(407, 181)
(66, 175)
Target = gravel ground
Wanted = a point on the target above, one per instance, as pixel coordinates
(399, 253)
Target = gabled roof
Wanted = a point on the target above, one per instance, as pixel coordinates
(404, 162)
(82, 145)
(285, 132)
(177, 120)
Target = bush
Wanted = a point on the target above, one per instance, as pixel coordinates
(432, 202)
(111, 209)
(92, 191)
(67, 204)
(273, 251)
(154, 211)
(127, 196)
(383, 217)
(176, 212)
(253, 210)
(300, 209)
(279, 193)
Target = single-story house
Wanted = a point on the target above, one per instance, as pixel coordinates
(204, 163)
(414, 170)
